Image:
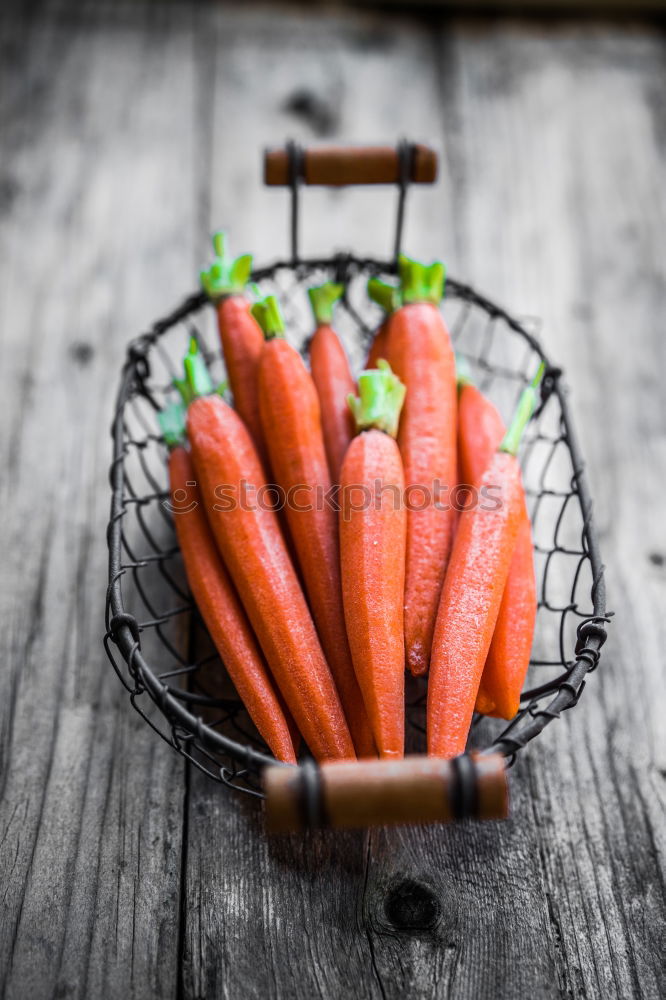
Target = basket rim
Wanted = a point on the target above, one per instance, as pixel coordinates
(122, 628)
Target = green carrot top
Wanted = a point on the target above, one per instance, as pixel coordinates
(226, 275)
(196, 380)
(323, 299)
(420, 282)
(417, 283)
(386, 296)
(269, 317)
(379, 401)
(527, 404)
(172, 423)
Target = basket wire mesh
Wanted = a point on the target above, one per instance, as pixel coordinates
(155, 638)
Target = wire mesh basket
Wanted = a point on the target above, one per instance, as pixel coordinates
(155, 638)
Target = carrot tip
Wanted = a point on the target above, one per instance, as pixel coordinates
(225, 276)
(421, 282)
(484, 705)
(323, 299)
(269, 317)
(379, 401)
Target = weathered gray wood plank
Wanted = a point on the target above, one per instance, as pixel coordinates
(98, 178)
(127, 136)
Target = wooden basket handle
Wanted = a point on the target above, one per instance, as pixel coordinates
(416, 789)
(339, 166)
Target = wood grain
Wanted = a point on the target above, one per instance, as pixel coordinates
(598, 281)
(98, 139)
(129, 132)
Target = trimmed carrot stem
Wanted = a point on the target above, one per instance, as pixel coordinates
(293, 430)
(323, 299)
(332, 378)
(268, 315)
(226, 275)
(526, 407)
(421, 282)
(386, 296)
(372, 555)
(472, 593)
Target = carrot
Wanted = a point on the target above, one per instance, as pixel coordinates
(216, 599)
(472, 591)
(385, 296)
(249, 538)
(240, 335)
(422, 357)
(293, 429)
(372, 555)
(379, 346)
(480, 431)
(331, 376)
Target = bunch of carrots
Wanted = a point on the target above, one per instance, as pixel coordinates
(318, 604)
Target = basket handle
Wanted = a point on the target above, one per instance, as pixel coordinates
(340, 166)
(416, 789)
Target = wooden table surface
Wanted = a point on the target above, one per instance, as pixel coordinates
(128, 133)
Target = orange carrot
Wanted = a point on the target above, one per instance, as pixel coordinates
(221, 610)
(372, 555)
(386, 296)
(331, 376)
(422, 357)
(472, 592)
(292, 427)
(480, 431)
(248, 535)
(240, 335)
(379, 346)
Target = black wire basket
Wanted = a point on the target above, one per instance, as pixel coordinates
(155, 638)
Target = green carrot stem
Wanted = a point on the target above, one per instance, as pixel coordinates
(196, 380)
(421, 282)
(527, 404)
(323, 299)
(172, 423)
(379, 401)
(386, 296)
(269, 317)
(226, 275)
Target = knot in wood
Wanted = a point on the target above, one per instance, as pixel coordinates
(411, 906)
